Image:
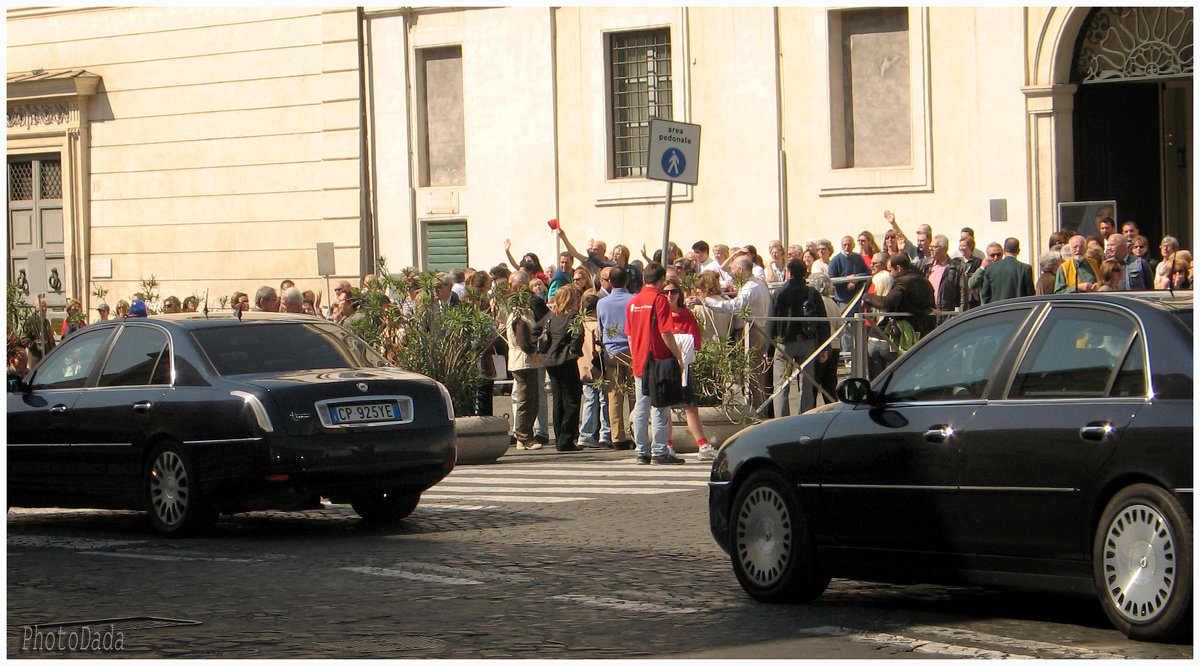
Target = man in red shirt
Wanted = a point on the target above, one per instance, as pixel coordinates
(648, 327)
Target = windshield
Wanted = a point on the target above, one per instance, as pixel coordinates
(1184, 316)
(258, 347)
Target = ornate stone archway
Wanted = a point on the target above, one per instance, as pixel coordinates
(1144, 43)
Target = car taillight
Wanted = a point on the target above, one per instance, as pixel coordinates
(256, 406)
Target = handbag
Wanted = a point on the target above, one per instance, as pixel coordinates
(663, 379)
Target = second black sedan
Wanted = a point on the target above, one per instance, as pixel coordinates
(1041, 443)
(188, 416)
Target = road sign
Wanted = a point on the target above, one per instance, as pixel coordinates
(674, 152)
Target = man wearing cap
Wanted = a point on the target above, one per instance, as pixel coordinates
(137, 308)
(103, 310)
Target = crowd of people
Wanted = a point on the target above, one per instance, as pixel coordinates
(589, 330)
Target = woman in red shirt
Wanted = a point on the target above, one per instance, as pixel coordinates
(687, 336)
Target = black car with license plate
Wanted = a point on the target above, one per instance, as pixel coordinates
(191, 415)
(1040, 443)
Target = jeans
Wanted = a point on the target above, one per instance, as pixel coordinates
(593, 424)
(650, 422)
(788, 357)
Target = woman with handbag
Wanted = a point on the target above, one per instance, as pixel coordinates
(561, 337)
(688, 337)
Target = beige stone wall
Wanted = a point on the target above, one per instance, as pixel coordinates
(224, 141)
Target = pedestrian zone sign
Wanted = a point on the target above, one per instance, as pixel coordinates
(674, 153)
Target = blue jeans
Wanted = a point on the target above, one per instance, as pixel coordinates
(593, 424)
(649, 422)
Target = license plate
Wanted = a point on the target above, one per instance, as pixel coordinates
(364, 413)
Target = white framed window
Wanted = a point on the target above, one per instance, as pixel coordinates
(639, 80)
(879, 111)
(662, 32)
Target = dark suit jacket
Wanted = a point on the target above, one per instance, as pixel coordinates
(1007, 278)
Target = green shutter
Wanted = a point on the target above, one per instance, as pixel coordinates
(446, 245)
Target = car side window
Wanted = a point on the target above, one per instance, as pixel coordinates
(69, 365)
(139, 358)
(1075, 354)
(959, 363)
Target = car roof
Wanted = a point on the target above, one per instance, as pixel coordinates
(194, 320)
(1167, 301)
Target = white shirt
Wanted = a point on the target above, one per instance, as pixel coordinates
(715, 266)
(753, 292)
(459, 288)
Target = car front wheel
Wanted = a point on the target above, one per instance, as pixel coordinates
(389, 507)
(1142, 563)
(772, 550)
(176, 503)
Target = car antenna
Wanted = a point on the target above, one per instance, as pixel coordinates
(205, 311)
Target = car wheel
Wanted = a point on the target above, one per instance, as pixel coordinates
(387, 507)
(1142, 563)
(772, 549)
(175, 502)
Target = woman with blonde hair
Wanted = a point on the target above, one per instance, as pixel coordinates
(867, 246)
(560, 346)
(714, 323)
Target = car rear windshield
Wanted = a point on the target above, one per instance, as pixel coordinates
(259, 347)
(1184, 316)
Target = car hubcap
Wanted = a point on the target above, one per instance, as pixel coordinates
(1139, 563)
(764, 536)
(169, 488)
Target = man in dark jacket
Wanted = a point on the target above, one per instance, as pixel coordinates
(1007, 278)
(795, 340)
(945, 276)
(911, 293)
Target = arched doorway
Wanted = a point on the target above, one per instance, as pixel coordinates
(1132, 119)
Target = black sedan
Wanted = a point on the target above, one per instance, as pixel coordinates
(188, 416)
(1040, 443)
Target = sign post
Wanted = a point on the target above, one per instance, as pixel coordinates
(674, 156)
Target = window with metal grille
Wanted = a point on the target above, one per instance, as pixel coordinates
(51, 179)
(446, 244)
(640, 88)
(20, 181)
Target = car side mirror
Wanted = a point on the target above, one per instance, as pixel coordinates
(16, 384)
(856, 391)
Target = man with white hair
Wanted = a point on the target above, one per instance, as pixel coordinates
(1137, 274)
(755, 294)
(293, 301)
(1079, 273)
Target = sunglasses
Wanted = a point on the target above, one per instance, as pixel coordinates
(994, 256)
(670, 291)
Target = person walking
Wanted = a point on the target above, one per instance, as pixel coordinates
(648, 327)
(560, 357)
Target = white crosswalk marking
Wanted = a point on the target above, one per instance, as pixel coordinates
(557, 482)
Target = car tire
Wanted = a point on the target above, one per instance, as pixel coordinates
(771, 547)
(174, 499)
(389, 507)
(1142, 563)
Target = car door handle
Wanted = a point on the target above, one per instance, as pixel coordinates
(938, 434)
(58, 410)
(1096, 432)
(142, 407)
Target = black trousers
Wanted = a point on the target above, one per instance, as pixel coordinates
(568, 394)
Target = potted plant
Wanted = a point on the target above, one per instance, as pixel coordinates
(444, 342)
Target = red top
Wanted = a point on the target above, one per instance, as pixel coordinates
(685, 322)
(642, 340)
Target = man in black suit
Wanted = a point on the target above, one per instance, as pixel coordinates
(1007, 278)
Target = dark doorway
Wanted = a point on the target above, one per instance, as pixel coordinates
(1133, 144)
(1117, 151)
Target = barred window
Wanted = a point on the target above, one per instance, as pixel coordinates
(640, 78)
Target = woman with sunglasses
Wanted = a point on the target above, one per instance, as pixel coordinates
(687, 336)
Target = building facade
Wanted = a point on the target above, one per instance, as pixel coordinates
(214, 148)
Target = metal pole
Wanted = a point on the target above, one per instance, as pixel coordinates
(667, 224)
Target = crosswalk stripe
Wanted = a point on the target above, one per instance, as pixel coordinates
(479, 487)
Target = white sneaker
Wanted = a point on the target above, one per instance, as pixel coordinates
(533, 446)
(707, 452)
